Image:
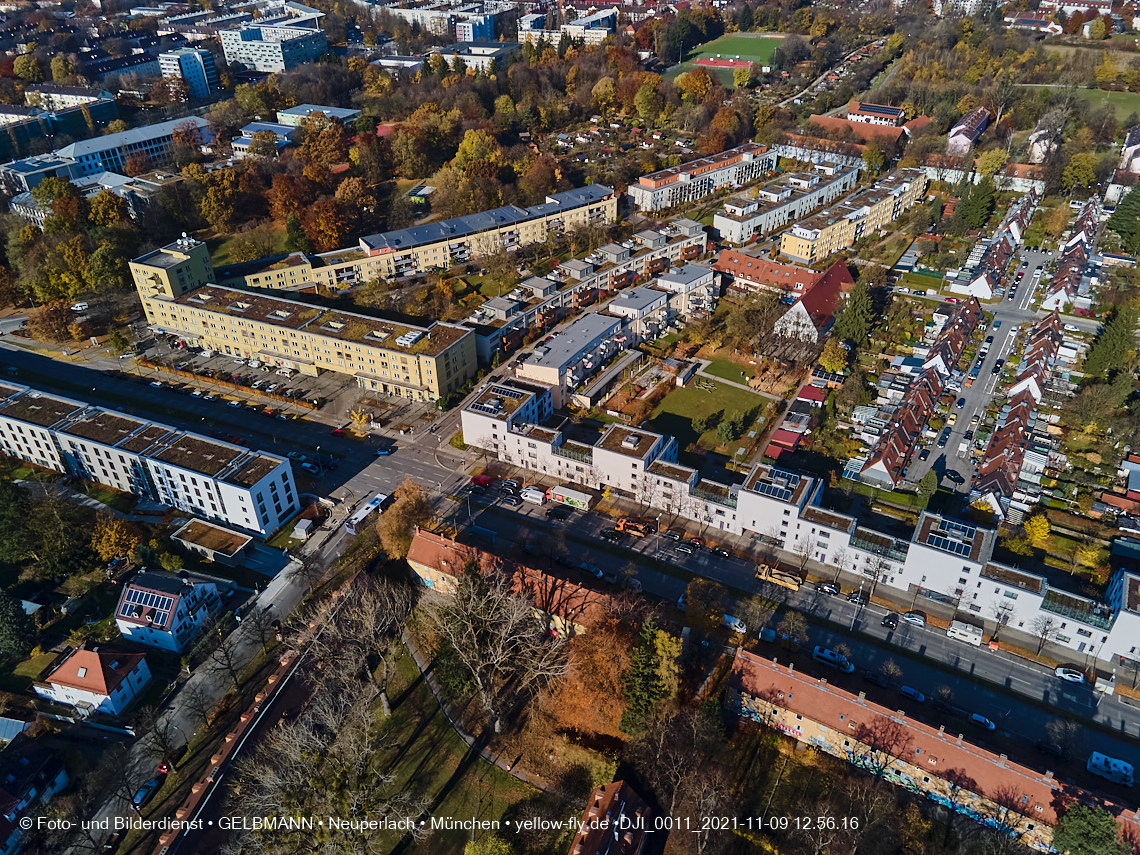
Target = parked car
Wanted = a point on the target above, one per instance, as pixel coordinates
(309, 467)
(295, 455)
(1046, 747)
(610, 535)
(384, 452)
(953, 477)
(684, 548)
(591, 569)
(673, 535)
(982, 721)
(857, 598)
(827, 587)
(915, 618)
(696, 542)
(961, 403)
(145, 793)
(507, 482)
(722, 552)
(924, 454)
(913, 694)
(891, 621)
(337, 431)
(1069, 675)
(155, 384)
(512, 501)
(874, 677)
(558, 513)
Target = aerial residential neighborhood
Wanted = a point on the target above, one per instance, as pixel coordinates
(525, 428)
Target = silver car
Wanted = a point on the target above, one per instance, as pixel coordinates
(1069, 675)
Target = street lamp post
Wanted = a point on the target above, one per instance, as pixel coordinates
(320, 466)
(858, 605)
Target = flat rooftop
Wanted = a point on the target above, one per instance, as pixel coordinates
(168, 256)
(499, 400)
(568, 345)
(149, 436)
(776, 483)
(199, 455)
(627, 441)
(671, 470)
(213, 537)
(105, 427)
(40, 409)
(947, 535)
(254, 469)
(1028, 581)
(346, 326)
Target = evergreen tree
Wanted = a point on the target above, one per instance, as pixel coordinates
(17, 633)
(744, 22)
(296, 240)
(854, 322)
(642, 683)
(928, 486)
(1125, 220)
(980, 203)
(1115, 346)
(1085, 830)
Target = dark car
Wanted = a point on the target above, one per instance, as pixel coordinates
(925, 453)
(891, 621)
(827, 587)
(857, 598)
(961, 403)
(145, 793)
(512, 501)
(1046, 747)
(673, 535)
(558, 514)
(953, 477)
(989, 339)
(610, 535)
(874, 677)
(722, 552)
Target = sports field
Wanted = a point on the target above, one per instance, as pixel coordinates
(750, 47)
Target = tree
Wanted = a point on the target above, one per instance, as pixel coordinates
(651, 677)
(928, 485)
(495, 635)
(28, 68)
(295, 238)
(744, 20)
(17, 632)
(113, 538)
(50, 321)
(603, 93)
(324, 226)
(227, 662)
(489, 845)
(1037, 528)
(397, 525)
(891, 671)
(1081, 171)
(742, 77)
(1088, 830)
(979, 205)
(705, 604)
(991, 161)
(854, 322)
(873, 158)
(834, 357)
(648, 102)
(792, 626)
(1067, 735)
(1116, 345)
(1044, 629)
(107, 209)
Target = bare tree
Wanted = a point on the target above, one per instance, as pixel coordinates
(157, 735)
(260, 623)
(801, 549)
(843, 563)
(226, 661)
(891, 671)
(197, 700)
(884, 741)
(1067, 735)
(497, 637)
(1045, 629)
(709, 795)
(792, 626)
(876, 569)
(943, 697)
(1012, 803)
(308, 570)
(1002, 613)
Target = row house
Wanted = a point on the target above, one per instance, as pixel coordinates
(947, 349)
(890, 457)
(1011, 450)
(693, 181)
(875, 114)
(1066, 282)
(807, 149)
(990, 272)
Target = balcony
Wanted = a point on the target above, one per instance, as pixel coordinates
(879, 544)
(573, 453)
(1078, 608)
(718, 496)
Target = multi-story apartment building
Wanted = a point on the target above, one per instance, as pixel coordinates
(53, 96)
(296, 116)
(836, 229)
(933, 761)
(221, 481)
(475, 28)
(875, 114)
(574, 354)
(164, 610)
(141, 194)
(108, 153)
(175, 269)
(698, 178)
(419, 363)
(945, 564)
(480, 56)
(193, 65)
(272, 48)
(111, 68)
(789, 198)
(589, 29)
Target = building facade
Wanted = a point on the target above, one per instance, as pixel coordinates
(167, 611)
(864, 213)
(296, 116)
(193, 65)
(698, 178)
(217, 480)
(272, 48)
(791, 198)
(96, 681)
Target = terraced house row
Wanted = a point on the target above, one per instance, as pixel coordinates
(221, 481)
(945, 562)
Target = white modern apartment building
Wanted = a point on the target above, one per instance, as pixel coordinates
(698, 178)
(790, 198)
(164, 610)
(193, 65)
(944, 561)
(296, 116)
(574, 354)
(228, 483)
(272, 48)
(590, 30)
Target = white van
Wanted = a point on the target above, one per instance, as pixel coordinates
(966, 632)
(1115, 770)
(830, 657)
(79, 307)
(736, 624)
(534, 495)
(206, 354)
(284, 372)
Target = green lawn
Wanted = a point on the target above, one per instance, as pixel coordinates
(1125, 103)
(23, 673)
(674, 415)
(122, 502)
(726, 369)
(432, 759)
(220, 247)
(752, 47)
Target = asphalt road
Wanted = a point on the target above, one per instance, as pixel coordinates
(870, 644)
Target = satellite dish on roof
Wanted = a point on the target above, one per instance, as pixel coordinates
(184, 234)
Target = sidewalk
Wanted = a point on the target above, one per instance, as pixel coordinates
(704, 363)
(418, 658)
(39, 489)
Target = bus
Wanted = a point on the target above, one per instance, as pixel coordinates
(566, 496)
(357, 521)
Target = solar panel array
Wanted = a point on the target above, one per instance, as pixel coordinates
(878, 109)
(507, 393)
(961, 544)
(483, 408)
(778, 491)
(137, 600)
